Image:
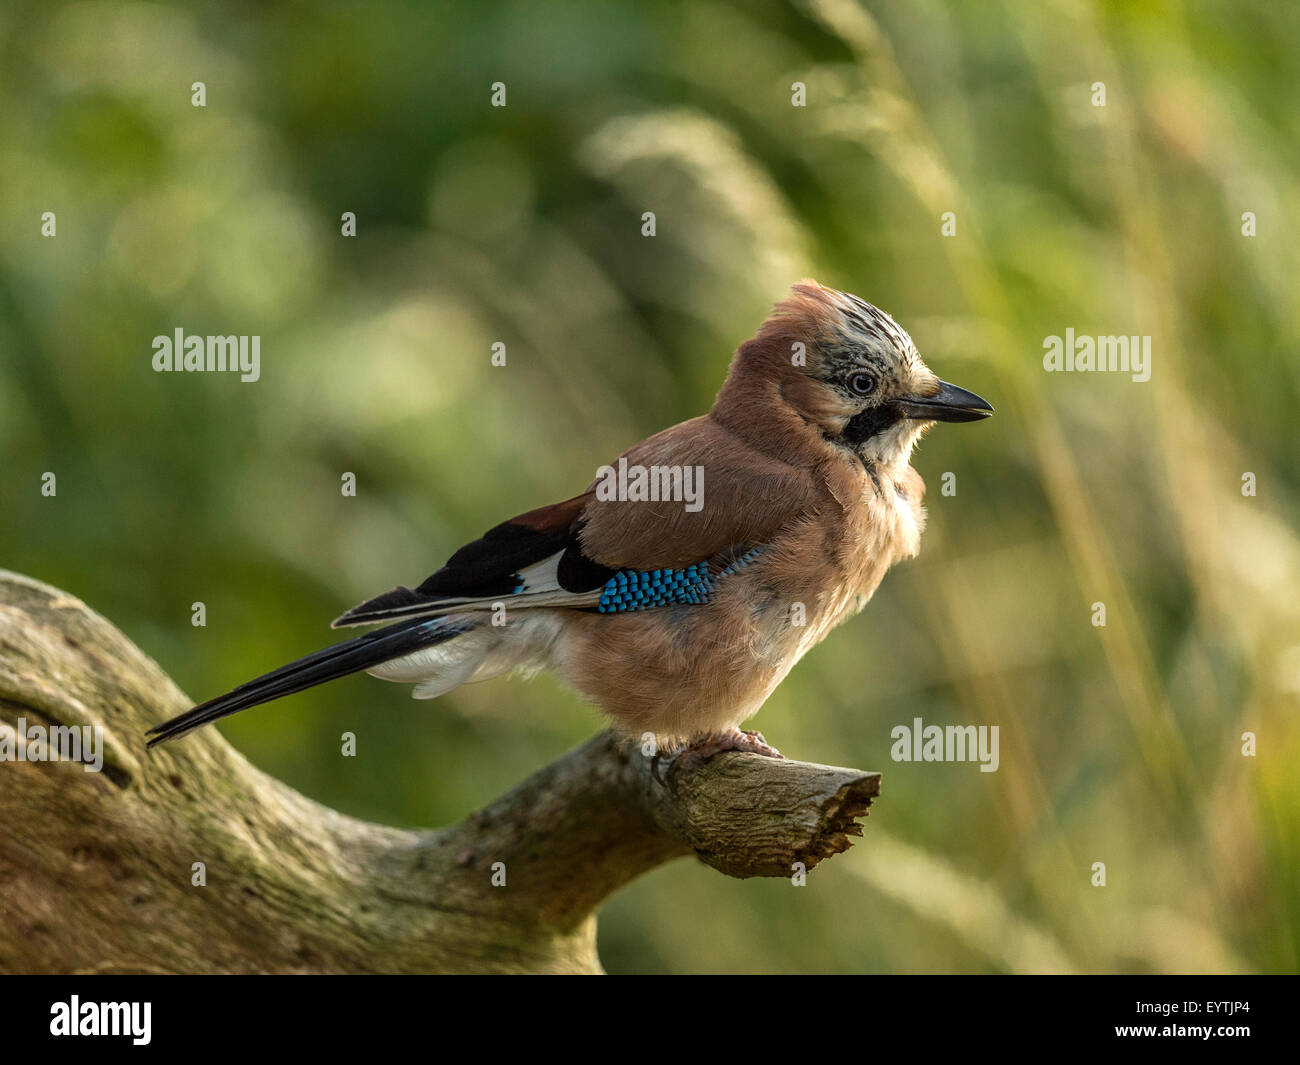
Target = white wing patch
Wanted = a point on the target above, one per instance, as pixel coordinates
(539, 586)
(543, 576)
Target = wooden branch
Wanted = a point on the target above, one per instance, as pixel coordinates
(96, 867)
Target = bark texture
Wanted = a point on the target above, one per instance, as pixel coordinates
(95, 868)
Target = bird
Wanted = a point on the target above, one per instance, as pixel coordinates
(678, 617)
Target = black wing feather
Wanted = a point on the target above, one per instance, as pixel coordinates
(490, 566)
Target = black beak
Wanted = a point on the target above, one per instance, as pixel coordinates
(949, 404)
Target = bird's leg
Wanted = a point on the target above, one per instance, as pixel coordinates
(733, 739)
(654, 765)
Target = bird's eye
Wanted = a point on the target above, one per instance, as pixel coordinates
(862, 383)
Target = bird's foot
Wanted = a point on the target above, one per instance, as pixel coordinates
(736, 740)
(702, 750)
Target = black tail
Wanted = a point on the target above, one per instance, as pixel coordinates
(350, 656)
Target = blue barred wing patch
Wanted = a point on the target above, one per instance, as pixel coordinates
(632, 589)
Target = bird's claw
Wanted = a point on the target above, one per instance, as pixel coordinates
(701, 751)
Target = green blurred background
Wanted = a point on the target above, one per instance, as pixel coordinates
(522, 225)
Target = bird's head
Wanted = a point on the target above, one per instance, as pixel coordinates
(849, 371)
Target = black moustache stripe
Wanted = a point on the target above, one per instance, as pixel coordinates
(866, 424)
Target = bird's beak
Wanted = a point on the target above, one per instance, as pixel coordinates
(949, 404)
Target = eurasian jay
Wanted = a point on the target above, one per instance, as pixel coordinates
(679, 617)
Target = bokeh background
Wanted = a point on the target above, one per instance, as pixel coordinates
(477, 224)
